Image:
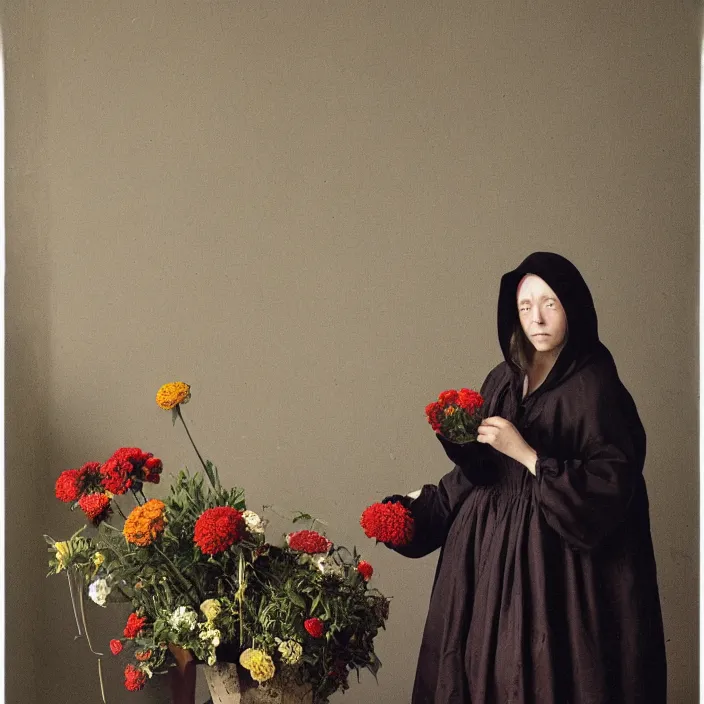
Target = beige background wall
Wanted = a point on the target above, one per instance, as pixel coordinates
(303, 209)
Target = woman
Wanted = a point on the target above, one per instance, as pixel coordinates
(546, 589)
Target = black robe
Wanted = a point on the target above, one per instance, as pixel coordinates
(546, 588)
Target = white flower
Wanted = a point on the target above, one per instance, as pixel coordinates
(98, 591)
(253, 522)
(327, 565)
(183, 617)
(211, 634)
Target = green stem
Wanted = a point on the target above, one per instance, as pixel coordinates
(69, 574)
(100, 677)
(85, 626)
(202, 461)
(190, 587)
(119, 509)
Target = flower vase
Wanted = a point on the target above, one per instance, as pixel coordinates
(230, 684)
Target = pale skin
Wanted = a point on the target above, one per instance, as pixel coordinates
(544, 323)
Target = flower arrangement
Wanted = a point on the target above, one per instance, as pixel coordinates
(201, 574)
(456, 415)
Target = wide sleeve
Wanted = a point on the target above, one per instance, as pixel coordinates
(431, 512)
(584, 498)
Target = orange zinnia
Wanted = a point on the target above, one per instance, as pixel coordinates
(146, 523)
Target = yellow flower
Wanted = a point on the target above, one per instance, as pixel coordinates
(98, 559)
(259, 664)
(211, 608)
(63, 552)
(291, 651)
(171, 395)
(146, 523)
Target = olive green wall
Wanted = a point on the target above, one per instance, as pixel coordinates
(303, 209)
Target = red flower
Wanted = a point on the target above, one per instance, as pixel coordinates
(95, 506)
(365, 569)
(69, 485)
(389, 523)
(143, 655)
(315, 627)
(308, 541)
(115, 475)
(134, 678)
(152, 470)
(218, 528)
(448, 398)
(433, 411)
(115, 646)
(470, 400)
(134, 625)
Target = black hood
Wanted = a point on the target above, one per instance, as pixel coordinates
(564, 279)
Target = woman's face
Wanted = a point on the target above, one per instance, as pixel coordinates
(541, 314)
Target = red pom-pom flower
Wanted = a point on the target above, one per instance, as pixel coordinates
(388, 523)
(134, 678)
(315, 627)
(365, 569)
(115, 646)
(134, 625)
(95, 506)
(218, 528)
(69, 485)
(308, 541)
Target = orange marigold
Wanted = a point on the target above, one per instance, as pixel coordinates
(146, 523)
(171, 395)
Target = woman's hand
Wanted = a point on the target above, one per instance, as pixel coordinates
(503, 436)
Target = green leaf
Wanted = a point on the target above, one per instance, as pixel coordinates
(300, 516)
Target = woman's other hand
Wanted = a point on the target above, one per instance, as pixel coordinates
(503, 436)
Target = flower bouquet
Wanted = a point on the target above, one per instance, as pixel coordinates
(456, 415)
(201, 575)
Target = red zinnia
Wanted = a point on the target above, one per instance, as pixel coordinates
(389, 523)
(218, 528)
(365, 569)
(315, 627)
(95, 506)
(134, 678)
(308, 541)
(68, 485)
(134, 625)
(115, 646)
